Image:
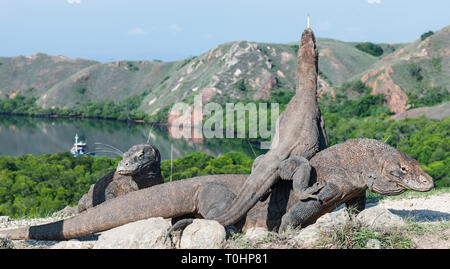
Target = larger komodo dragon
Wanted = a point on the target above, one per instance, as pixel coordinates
(300, 133)
(346, 170)
(139, 169)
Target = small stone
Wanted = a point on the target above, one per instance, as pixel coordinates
(144, 234)
(373, 244)
(333, 221)
(308, 237)
(4, 219)
(256, 234)
(65, 212)
(203, 234)
(6, 243)
(379, 218)
(73, 244)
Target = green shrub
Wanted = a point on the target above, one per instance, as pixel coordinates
(428, 96)
(426, 35)
(81, 90)
(370, 48)
(240, 85)
(414, 71)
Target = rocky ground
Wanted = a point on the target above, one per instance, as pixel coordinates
(392, 223)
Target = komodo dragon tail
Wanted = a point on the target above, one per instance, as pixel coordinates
(267, 172)
(165, 200)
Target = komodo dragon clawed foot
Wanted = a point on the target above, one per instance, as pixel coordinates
(309, 193)
(298, 170)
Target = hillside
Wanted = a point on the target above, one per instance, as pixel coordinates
(405, 73)
(413, 72)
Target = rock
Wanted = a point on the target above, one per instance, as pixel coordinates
(308, 237)
(144, 234)
(373, 244)
(203, 234)
(6, 243)
(329, 223)
(256, 234)
(333, 221)
(65, 212)
(4, 219)
(84, 201)
(378, 218)
(73, 244)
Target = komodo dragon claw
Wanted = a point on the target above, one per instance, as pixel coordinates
(309, 193)
(179, 226)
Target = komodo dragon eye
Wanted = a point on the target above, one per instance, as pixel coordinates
(140, 154)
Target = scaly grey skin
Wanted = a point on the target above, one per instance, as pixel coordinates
(301, 133)
(139, 169)
(346, 171)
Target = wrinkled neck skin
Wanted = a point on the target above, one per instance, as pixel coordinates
(147, 171)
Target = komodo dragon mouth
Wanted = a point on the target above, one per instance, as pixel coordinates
(403, 173)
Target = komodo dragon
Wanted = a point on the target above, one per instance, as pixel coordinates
(300, 133)
(345, 170)
(139, 169)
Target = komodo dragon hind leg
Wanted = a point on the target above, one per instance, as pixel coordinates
(298, 170)
(306, 212)
(212, 200)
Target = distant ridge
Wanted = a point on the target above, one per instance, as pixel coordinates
(235, 70)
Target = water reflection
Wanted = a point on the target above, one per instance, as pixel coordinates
(37, 136)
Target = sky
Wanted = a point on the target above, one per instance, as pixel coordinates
(169, 30)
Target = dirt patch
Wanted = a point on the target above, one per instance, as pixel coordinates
(324, 87)
(431, 213)
(423, 209)
(286, 57)
(381, 82)
(326, 52)
(437, 112)
(433, 241)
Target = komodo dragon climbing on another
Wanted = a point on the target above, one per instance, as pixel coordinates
(346, 170)
(300, 133)
(139, 169)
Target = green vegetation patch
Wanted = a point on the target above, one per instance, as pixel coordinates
(36, 186)
(107, 109)
(370, 48)
(354, 237)
(426, 35)
(201, 164)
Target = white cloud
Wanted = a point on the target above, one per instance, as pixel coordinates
(74, 1)
(137, 31)
(374, 1)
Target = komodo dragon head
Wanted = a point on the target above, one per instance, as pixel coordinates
(398, 173)
(137, 159)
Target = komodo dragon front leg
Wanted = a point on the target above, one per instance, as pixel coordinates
(298, 170)
(305, 212)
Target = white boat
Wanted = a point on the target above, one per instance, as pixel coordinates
(79, 147)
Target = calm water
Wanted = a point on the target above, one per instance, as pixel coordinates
(37, 136)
